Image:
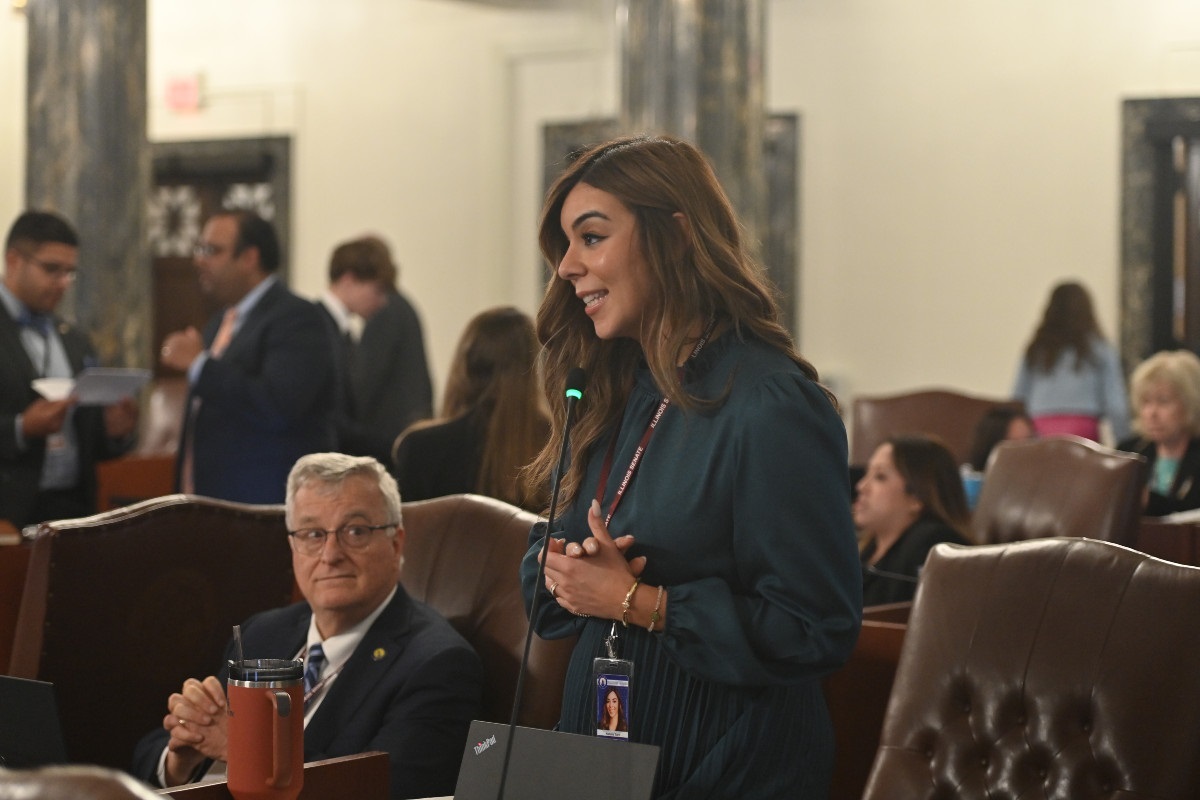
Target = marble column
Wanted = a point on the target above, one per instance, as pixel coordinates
(694, 68)
(89, 160)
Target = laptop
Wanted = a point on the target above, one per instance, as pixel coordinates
(30, 732)
(549, 764)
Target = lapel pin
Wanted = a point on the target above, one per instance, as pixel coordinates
(379, 653)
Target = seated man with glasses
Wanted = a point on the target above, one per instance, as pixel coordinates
(48, 446)
(382, 671)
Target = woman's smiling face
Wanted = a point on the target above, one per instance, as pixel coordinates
(604, 262)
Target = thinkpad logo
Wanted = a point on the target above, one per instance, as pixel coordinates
(484, 745)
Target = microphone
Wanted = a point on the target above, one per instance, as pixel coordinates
(573, 394)
(871, 569)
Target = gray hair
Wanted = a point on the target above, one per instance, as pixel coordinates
(1179, 369)
(332, 469)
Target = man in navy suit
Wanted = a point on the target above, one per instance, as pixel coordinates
(48, 446)
(261, 378)
(392, 674)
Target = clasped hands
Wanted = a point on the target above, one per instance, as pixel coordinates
(592, 577)
(198, 725)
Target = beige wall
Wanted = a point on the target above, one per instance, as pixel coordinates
(958, 158)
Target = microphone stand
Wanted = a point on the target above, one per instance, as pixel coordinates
(573, 394)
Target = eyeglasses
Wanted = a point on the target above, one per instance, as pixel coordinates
(53, 271)
(206, 250)
(311, 541)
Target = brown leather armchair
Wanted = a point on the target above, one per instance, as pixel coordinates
(1056, 668)
(951, 416)
(1059, 486)
(121, 607)
(462, 554)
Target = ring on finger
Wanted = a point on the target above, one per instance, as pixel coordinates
(554, 589)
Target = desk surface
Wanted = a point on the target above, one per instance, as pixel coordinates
(368, 773)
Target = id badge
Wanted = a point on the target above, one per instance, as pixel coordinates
(613, 679)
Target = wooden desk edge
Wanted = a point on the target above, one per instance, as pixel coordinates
(322, 779)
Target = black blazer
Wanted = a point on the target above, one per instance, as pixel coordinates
(21, 471)
(894, 578)
(1185, 490)
(411, 688)
(267, 401)
(390, 376)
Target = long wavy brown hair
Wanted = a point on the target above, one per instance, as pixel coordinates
(1069, 323)
(698, 270)
(494, 374)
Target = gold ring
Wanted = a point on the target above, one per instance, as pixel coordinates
(182, 722)
(554, 590)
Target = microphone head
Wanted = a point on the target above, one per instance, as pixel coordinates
(575, 380)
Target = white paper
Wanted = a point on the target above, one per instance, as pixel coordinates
(54, 389)
(103, 386)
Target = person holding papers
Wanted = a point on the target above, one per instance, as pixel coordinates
(48, 446)
(706, 506)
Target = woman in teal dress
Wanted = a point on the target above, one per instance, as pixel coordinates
(705, 511)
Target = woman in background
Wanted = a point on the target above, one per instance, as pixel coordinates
(999, 424)
(493, 419)
(910, 499)
(1166, 399)
(1071, 377)
(705, 511)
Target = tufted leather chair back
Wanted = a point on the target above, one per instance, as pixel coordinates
(1059, 486)
(462, 554)
(1056, 668)
(951, 416)
(121, 607)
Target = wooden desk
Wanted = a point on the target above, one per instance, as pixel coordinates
(14, 562)
(857, 695)
(1172, 541)
(364, 777)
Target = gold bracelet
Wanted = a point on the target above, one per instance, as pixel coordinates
(654, 615)
(627, 602)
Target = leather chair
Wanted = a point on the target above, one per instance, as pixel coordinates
(149, 469)
(462, 554)
(1059, 486)
(1056, 668)
(72, 783)
(121, 607)
(951, 416)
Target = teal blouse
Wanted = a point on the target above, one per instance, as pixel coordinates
(743, 513)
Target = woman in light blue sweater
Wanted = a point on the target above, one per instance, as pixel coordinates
(1071, 377)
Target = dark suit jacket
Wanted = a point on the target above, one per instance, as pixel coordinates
(21, 471)
(391, 377)
(267, 401)
(351, 436)
(1185, 490)
(411, 688)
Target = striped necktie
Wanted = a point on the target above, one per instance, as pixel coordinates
(312, 671)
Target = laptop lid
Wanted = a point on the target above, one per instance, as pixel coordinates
(549, 764)
(30, 732)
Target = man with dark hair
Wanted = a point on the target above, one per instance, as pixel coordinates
(48, 446)
(262, 375)
(360, 275)
(390, 376)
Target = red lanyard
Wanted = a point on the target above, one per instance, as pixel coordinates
(645, 440)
